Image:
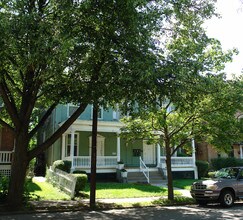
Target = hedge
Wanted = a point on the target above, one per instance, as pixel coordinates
(63, 165)
(219, 163)
(202, 167)
(82, 180)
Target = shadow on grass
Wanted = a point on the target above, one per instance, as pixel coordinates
(32, 187)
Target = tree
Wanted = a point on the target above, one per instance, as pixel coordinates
(188, 80)
(173, 125)
(67, 51)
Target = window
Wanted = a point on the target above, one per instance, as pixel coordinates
(68, 145)
(100, 112)
(71, 109)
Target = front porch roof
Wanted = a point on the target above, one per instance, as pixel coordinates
(103, 126)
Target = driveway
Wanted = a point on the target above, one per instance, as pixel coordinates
(190, 212)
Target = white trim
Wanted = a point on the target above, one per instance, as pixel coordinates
(118, 148)
(158, 155)
(104, 126)
(241, 152)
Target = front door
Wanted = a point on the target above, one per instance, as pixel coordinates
(149, 153)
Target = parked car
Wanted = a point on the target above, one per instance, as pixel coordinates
(225, 188)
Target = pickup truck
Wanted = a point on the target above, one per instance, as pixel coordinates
(225, 188)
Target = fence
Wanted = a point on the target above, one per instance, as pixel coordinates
(65, 181)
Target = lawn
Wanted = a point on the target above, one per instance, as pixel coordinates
(103, 190)
(183, 183)
(127, 190)
(46, 191)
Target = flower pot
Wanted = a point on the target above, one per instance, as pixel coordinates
(124, 174)
(120, 166)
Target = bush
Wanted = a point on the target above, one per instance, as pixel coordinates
(202, 167)
(63, 165)
(219, 163)
(82, 180)
(4, 182)
(79, 172)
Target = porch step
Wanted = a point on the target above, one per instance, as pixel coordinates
(155, 177)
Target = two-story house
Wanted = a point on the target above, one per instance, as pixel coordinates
(75, 145)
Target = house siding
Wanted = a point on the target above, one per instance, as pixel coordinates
(6, 139)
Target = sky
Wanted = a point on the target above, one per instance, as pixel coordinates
(228, 29)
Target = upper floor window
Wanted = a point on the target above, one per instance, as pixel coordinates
(71, 109)
(100, 112)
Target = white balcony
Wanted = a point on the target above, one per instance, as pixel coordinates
(5, 157)
(102, 162)
(178, 162)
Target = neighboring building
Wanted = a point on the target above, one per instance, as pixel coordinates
(207, 152)
(75, 145)
(6, 150)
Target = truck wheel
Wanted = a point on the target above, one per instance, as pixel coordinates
(227, 198)
(201, 202)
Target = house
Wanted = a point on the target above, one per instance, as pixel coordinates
(6, 150)
(206, 152)
(75, 145)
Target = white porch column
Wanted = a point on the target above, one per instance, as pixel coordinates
(158, 155)
(72, 148)
(118, 146)
(194, 159)
(63, 146)
(241, 152)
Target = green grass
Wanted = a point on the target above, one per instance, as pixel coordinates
(46, 191)
(183, 183)
(127, 190)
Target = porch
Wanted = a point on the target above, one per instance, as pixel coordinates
(109, 164)
(5, 162)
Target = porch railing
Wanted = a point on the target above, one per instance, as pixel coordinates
(144, 169)
(178, 162)
(5, 157)
(102, 161)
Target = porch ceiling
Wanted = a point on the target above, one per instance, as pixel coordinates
(103, 126)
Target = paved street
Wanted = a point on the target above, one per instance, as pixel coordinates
(191, 212)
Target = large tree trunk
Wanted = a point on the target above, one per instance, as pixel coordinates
(18, 172)
(169, 171)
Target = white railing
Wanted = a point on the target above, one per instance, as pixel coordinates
(102, 161)
(63, 180)
(178, 162)
(5, 156)
(144, 169)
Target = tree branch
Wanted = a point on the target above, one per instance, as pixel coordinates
(5, 124)
(42, 121)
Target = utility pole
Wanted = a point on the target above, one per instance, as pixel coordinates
(93, 157)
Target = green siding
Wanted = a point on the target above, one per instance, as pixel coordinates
(127, 152)
(110, 143)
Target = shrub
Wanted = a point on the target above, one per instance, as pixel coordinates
(211, 174)
(79, 172)
(82, 179)
(202, 167)
(63, 165)
(4, 182)
(219, 163)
